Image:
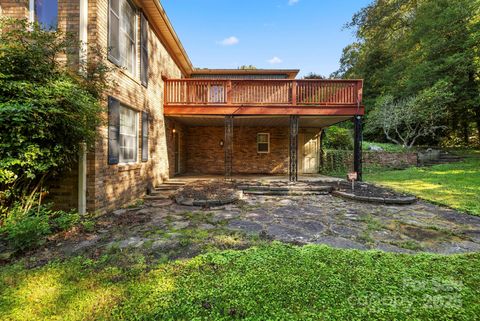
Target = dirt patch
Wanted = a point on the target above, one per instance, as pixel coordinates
(207, 193)
(207, 190)
(418, 233)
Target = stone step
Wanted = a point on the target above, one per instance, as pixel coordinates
(167, 188)
(246, 188)
(284, 193)
(156, 197)
(162, 192)
(174, 183)
(451, 157)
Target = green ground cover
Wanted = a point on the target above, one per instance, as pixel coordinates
(456, 185)
(392, 148)
(274, 282)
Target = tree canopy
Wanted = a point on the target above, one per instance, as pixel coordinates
(405, 47)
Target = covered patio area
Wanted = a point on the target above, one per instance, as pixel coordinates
(272, 147)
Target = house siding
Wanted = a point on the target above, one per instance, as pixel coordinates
(206, 156)
(17, 9)
(112, 186)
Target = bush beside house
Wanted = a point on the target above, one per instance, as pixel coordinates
(48, 109)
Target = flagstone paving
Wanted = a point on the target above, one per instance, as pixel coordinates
(167, 230)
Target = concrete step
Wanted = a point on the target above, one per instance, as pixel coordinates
(167, 188)
(174, 183)
(156, 197)
(162, 192)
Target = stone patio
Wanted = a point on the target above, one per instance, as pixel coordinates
(162, 229)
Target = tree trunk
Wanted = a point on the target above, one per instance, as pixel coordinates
(478, 126)
(465, 133)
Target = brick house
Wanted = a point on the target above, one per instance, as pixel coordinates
(167, 118)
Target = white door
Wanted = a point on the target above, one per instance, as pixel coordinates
(308, 153)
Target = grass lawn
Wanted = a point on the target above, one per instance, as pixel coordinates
(456, 185)
(275, 282)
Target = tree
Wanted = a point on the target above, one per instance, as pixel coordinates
(404, 47)
(313, 75)
(47, 108)
(405, 120)
(247, 67)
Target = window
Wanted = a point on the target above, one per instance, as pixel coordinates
(45, 12)
(263, 143)
(145, 122)
(122, 34)
(216, 94)
(128, 135)
(122, 133)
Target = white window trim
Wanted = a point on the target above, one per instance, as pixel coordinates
(134, 39)
(268, 143)
(31, 12)
(121, 31)
(121, 161)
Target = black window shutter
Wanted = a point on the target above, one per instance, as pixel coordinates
(143, 50)
(113, 130)
(114, 31)
(144, 136)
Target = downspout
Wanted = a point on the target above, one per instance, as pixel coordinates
(82, 156)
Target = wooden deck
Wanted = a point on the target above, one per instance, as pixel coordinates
(263, 97)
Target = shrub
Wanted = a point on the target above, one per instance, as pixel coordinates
(338, 138)
(24, 230)
(47, 108)
(65, 220)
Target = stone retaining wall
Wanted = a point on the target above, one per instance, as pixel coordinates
(388, 159)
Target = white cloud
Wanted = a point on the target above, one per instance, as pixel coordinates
(230, 41)
(275, 60)
(292, 2)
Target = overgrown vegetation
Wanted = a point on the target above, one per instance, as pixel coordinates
(25, 230)
(406, 120)
(407, 48)
(49, 108)
(274, 282)
(338, 138)
(456, 185)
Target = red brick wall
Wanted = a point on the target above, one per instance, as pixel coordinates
(111, 186)
(180, 130)
(206, 156)
(14, 8)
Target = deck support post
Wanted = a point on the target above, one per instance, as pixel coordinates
(293, 161)
(357, 146)
(228, 146)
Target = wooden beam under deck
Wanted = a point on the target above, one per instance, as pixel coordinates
(335, 110)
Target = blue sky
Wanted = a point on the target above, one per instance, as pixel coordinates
(303, 34)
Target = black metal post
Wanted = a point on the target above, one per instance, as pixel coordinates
(228, 146)
(293, 163)
(357, 146)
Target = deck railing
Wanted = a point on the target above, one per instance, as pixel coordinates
(263, 92)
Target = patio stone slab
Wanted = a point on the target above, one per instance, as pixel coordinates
(164, 227)
(248, 227)
(287, 234)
